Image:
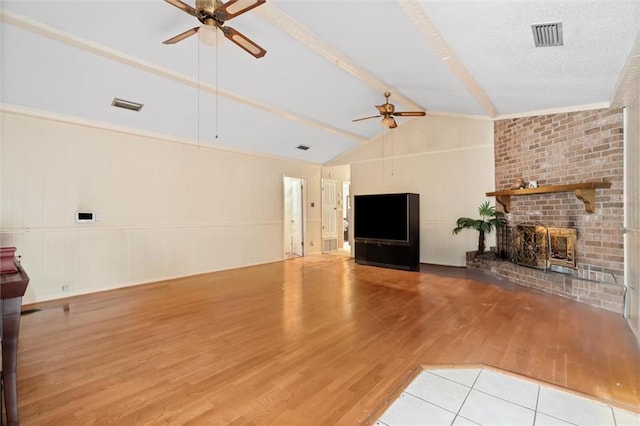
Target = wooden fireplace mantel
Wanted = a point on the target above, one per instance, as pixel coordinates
(585, 192)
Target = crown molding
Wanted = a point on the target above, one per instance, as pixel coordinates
(550, 111)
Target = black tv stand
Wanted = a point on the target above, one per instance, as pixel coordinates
(388, 254)
(393, 253)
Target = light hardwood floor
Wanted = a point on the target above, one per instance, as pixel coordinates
(309, 341)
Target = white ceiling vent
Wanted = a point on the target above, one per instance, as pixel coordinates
(121, 103)
(547, 34)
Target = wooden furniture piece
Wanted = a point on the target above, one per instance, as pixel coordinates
(7, 257)
(585, 192)
(12, 288)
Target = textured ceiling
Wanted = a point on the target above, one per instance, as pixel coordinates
(327, 63)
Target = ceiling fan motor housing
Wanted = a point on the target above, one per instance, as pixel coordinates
(207, 7)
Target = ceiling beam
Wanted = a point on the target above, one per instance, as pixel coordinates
(37, 27)
(299, 32)
(421, 20)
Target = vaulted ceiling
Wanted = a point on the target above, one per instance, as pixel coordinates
(327, 63)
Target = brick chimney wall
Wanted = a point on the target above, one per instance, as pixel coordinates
(567, 148)
(559, 149)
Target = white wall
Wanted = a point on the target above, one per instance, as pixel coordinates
(449, 161)
(167, 209)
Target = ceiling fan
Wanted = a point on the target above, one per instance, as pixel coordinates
(387, 111)
(213, 14)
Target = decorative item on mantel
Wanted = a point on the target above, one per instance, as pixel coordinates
(7, 264)
(520, 183)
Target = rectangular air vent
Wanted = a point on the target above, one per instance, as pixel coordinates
(303, 147)
(329, 245)
(121, 103)
(547, 34)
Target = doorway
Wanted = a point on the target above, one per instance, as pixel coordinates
(346, 216)
(330, 216)
(293, 217)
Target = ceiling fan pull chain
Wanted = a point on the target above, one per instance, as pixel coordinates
(216, 117)
(198, 98)
(392, 158)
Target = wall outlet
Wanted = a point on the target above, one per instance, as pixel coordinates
(65, 288)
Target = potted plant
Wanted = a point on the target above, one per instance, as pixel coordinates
(489, 219)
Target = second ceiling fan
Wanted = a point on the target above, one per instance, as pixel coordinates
(213, 14)
(388, 111)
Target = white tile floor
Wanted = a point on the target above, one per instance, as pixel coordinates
(481, 396)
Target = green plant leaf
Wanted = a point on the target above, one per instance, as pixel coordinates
(489, 219)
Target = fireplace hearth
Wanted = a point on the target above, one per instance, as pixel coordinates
(545, 258)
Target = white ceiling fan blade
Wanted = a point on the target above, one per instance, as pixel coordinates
(181, 36)
(234, 8)
(242, 41)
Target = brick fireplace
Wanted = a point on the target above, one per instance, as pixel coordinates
(556, 150)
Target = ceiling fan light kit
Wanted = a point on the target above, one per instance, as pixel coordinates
(210, 35)
(388, 111)
(387, 122)
(213, 14)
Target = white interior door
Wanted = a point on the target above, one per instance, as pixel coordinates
(293, 217)
(346, 215)
(329, 215)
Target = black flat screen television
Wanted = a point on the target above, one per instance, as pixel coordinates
(381, 217)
